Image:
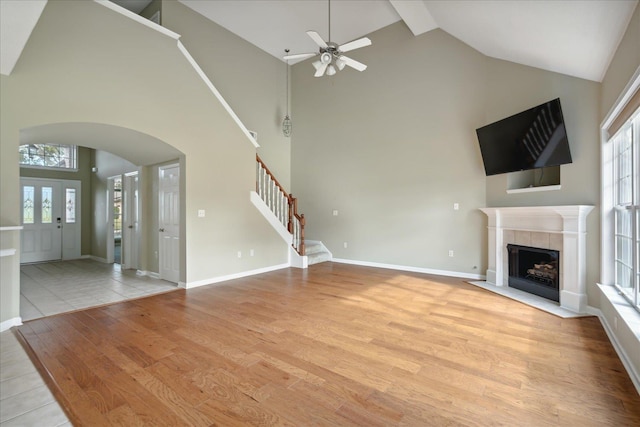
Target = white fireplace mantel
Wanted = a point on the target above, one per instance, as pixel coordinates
(561, 228)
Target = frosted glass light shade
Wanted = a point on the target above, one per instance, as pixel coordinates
(286, 126)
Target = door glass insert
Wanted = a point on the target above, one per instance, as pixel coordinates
(28, 194)
(70, 205)
(47, 197)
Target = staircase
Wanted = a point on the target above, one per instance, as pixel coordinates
(281, 210)
(316, 252)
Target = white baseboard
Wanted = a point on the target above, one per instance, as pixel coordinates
(95, 258)
(148, 274)
(411, 269)
(10, 323)
(240, 275)
(633, 374)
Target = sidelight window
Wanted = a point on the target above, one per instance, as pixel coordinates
(70, 205)
(28, 203)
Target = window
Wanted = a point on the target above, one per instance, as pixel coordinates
(70, 205)
(28, 202)
(47, 200)
(55, 156)
(626, 182)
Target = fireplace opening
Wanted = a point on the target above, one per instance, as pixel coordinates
(535, 270)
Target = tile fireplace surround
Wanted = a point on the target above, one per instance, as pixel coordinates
(561, 228)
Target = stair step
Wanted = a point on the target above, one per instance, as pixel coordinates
(318, 257)
(312, 248)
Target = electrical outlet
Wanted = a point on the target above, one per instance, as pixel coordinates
(251, 252)
(335, 212)
(451, 252)
(200, 213)
(345, 245)
(456, 206)
(239, 254)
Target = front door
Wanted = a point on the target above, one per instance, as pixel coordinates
(50, 219)
(169, 223)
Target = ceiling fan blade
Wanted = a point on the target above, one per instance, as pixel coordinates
(299, 56)
(316, 38)
(320, 69)
(353, 63)
(355, 44)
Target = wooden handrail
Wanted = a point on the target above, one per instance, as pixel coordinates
(292, 208)
(272, 176)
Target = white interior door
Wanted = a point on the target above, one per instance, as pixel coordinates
(41, 220)
(130, 221)
(169, 223)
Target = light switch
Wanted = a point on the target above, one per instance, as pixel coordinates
(200, 213)
(335, 212)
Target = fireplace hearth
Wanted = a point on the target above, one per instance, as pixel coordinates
(560, 228)
(535, 270)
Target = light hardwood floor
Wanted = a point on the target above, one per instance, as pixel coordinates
(48, 289)
(331, 345)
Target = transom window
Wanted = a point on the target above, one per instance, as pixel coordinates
(54, 156)
(626, 181)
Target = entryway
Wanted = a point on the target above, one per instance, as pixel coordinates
(51, 219)
(58, 287)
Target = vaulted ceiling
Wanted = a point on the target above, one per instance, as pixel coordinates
(573, 37)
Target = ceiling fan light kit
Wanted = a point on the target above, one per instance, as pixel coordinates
(331, 52)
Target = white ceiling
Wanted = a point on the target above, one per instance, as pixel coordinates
(574, 37)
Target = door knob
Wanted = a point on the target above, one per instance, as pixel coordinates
(131, 226)
(162, 230)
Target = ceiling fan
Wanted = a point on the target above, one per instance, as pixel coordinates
(331, 53)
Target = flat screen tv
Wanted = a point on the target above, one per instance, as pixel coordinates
(535, 138)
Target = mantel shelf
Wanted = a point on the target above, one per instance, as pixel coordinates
(534, 189)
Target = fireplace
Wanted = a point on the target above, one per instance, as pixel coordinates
(557, 228)
(535, 270)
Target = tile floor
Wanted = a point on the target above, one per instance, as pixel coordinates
(48, 289)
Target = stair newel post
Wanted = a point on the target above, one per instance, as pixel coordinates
(291, 211)
(301, 247)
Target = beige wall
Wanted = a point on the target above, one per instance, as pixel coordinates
(108, 165)
(624, 63)
(251, 81)
(151, 9)
(83, 174)
(394, 147)
(107, 69)
(512, 88)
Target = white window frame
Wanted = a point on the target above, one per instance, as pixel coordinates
(609, 199)
(73, 159)
(631, 132)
